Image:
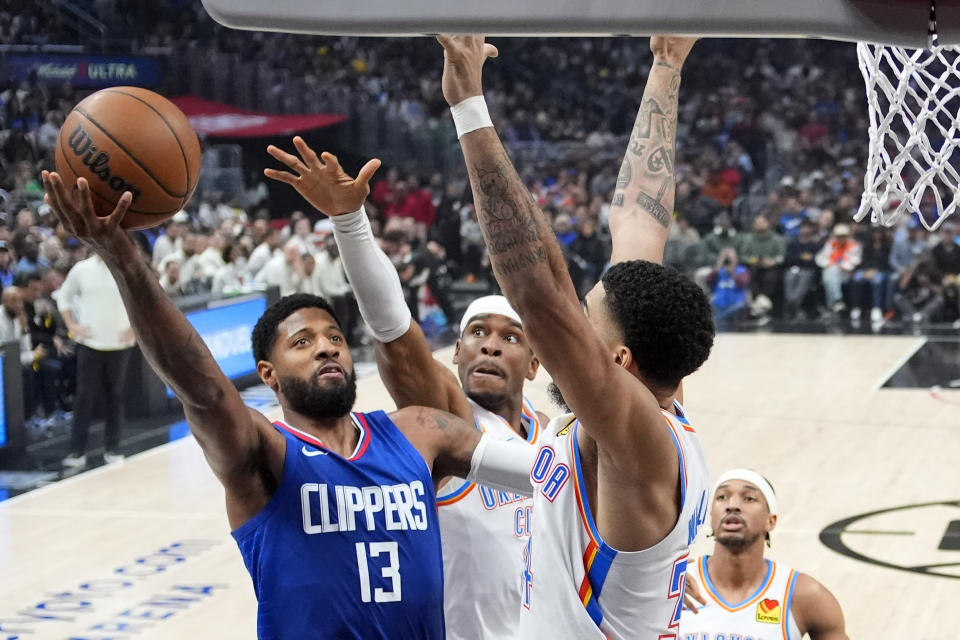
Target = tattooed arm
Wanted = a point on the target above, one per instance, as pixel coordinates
(243, 450)
(453, 446)
(635, 452)
(642, 206)
(524, 254)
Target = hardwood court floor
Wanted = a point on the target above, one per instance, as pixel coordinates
(142, 549)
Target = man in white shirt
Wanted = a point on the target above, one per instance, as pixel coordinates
(172, 238)
(330, 281)
(263, 252)
(91, 306)
(285, 270)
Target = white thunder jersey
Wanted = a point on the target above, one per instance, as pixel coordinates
(577, 586)
(765, 615)
(484, 533)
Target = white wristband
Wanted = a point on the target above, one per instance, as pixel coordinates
(470, 115)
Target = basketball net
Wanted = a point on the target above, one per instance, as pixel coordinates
(914, 104)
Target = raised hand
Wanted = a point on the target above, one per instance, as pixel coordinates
(74, 209)
(671, 49)
(321, 180)
(463, 58)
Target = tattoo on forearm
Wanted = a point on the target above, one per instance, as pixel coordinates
(508, 218)
(644, 123)
(625, 175)
(653, 206)
(617, 200)
(660, 160)
(520, 262)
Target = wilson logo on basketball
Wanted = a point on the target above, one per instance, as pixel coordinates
(768, 611)
(98, 161)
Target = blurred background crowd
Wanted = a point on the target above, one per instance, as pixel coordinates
(772, 142)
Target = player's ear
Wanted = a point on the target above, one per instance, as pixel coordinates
(456, 353)
(534, 367)
(771, 523)
(622, 355)
(268, 375)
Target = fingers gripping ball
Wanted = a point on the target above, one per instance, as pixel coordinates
(130, 139)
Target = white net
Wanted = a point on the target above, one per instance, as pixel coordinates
(914, 100)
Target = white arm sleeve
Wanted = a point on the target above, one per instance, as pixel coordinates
(373, 277)
(504, 465)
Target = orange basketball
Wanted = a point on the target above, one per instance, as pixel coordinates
(130, 139)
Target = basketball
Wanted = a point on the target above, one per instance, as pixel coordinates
(130, 139)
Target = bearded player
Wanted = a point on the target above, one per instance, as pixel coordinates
(484, 531)
(620, 485)
(333, 511)
(744, 595)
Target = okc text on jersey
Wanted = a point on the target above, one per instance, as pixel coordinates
(338, 508)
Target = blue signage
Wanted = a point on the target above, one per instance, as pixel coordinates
(225, 327)
(87, 72)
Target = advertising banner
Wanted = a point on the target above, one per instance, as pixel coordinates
(83, 72)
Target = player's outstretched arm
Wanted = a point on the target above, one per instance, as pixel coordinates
(452, 446)
(529, 266)
(817, 611)
(406, 364)
(642, 206)
(231, 435)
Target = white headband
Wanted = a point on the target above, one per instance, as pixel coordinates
(488, 305)
(754, 478)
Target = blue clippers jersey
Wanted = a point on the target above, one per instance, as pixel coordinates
(348, 547)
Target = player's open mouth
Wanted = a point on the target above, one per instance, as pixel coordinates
(732, 523)
(331, 371)
(489, 371)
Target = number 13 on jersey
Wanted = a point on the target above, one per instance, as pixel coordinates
(390, 571)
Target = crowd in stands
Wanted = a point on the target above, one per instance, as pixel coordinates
(771, 147)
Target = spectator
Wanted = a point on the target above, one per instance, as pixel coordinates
(384, 192)
(284, 270)
(263, 252)
(920, 297)
(763, 252)
(229, 278)
(91, 306)
(172, 238)
(723, 237)
(792, 215)
(730, 287)
(330, 281)
(170, 279)
(53, 368)
(946, 260)
(213, 210)
(590, 251)
(683, 243)
(563, 228)
(838, 259)
(28, 248)
(304, 236)
(7, 269)
(870, 281)
(801, 269)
